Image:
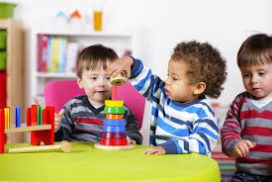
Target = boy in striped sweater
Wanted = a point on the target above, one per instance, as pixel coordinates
(82, 117)
(182, 118)
(247, 131)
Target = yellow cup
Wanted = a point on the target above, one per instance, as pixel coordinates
(98, 15)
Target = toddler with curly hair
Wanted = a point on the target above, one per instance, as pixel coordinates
(182, 118)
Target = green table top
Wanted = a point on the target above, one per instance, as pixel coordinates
(86, 163)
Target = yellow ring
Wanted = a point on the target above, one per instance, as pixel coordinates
(114, 103)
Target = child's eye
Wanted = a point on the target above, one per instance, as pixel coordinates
(246, 75)
(93, 78)
(261, 73)
(174, 78)
(108, 78)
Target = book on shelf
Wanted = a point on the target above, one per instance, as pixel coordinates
(42, 53)
(55, 54)
(55, 47)
(72, 52)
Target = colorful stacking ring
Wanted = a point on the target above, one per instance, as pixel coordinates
(114, 110)
(114, 116)
(114, 142)
(107, 135)
(121, 122)
(118, 129)
(114, 103)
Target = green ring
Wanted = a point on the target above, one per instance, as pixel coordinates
(114, 110)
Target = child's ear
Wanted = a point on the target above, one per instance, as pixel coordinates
(80, 83)
(199, 88)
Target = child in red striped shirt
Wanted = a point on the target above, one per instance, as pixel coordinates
(247, 131)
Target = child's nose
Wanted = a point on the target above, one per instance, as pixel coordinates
(167, 81)
(254, 79)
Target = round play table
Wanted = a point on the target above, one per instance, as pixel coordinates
(86, 163)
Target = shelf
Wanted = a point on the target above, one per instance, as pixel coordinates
(83, 33)
(120, 42)
(56, 75)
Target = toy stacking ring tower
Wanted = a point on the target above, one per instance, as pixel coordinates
(114, 135)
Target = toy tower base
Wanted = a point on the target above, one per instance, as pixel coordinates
(109, 147)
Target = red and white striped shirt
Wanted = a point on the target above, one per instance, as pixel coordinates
(247, 121)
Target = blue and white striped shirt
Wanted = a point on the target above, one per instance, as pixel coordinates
(178, 127)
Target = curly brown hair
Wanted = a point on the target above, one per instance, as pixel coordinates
(255, 50)
(94, 55)
(205, 65)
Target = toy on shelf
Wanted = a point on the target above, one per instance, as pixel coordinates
(114, 135)
(60, 20)
(98, 20)
(40, 122)
(76, 21)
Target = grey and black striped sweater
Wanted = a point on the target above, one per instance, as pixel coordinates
(84, 123)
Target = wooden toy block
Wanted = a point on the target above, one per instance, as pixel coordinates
(34, 114)
(28, 116)
(17, 116)
(7, 117)
(36, 137)
(40, 132)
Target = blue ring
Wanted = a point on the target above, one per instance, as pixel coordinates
(109, 122)
(116, 129)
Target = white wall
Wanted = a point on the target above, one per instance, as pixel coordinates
(162, 24)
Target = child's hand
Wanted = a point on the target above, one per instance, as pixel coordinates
(242, 148)
(155, 150)
(121, 66)
(58, 117)
(130, 141)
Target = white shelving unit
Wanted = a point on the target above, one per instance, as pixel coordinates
(119, 41)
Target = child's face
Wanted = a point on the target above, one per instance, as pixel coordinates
(96, 84)
(257, 80)
(177, 85)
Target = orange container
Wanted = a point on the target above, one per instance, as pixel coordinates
(98, 20)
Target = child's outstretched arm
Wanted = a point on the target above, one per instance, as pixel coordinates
(203, 139)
